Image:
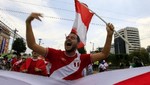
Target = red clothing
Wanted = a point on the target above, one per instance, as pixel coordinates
(64, 67)
(31, 64)
(13, 61)
(16, 66)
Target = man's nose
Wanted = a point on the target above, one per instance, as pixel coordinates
(69, 38)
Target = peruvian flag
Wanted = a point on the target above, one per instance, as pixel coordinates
(82, 21)
(132, 76)
(128, 76)
(142, 79)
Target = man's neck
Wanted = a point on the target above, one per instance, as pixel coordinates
(70, 54)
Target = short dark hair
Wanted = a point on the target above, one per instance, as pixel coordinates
(78, 38)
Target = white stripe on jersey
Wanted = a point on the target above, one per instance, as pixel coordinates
(68, 69)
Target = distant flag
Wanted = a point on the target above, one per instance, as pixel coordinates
(82, 21)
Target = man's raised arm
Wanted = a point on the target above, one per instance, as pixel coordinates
(106, 50)
(30, 36)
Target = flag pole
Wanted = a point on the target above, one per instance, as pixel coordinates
(107, 23)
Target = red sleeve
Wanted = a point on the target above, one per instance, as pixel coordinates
(26, 64)
(23, 67)
(40, 64)
(85, 60)
(52, 54)
(13, 61)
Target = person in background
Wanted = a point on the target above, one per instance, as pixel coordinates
(17, 62)
(16, 66)
(13, 60)
(136, 62)
(103, 66)
(89, 69)
(34, 65)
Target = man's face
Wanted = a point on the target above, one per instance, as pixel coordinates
(35, 55)
(71, 42)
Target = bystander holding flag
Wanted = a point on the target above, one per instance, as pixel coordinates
(82, 21)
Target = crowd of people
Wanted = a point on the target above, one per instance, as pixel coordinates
(34, 64)
(37, 65)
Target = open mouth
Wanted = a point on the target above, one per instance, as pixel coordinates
(68, 43)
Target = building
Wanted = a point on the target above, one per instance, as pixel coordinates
(4, 38)
(132, 35)
(112, 49)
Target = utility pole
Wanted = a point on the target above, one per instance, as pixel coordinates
(92, 46)
(14, 37)
(40, 41)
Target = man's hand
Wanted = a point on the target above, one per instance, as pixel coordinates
(24, 71)
(110, 29)
(34, 16)
(37, 69)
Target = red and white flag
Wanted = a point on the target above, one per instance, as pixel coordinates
(82, 21)
(133, 76)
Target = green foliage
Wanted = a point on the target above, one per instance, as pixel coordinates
(124, 60)
(19, 45)
(112, 58)
(116, 59)
(82, 50)
(141, 54)
(148, 48)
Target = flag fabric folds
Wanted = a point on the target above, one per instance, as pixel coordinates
(142, 79)
(133, 76)
(82, 21)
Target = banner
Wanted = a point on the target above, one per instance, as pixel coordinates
(129, 76)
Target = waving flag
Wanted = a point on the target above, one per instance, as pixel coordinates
(82, 21)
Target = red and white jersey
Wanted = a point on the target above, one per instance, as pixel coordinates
(31, 64)
(64, 67)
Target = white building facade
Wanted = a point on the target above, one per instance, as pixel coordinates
(131, 34)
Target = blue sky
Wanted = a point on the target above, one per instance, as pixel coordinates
(122, 13)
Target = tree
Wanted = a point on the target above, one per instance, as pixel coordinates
(19, 45)
(141, 54)
(148, 48)
(144, 55)
(112, 59)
